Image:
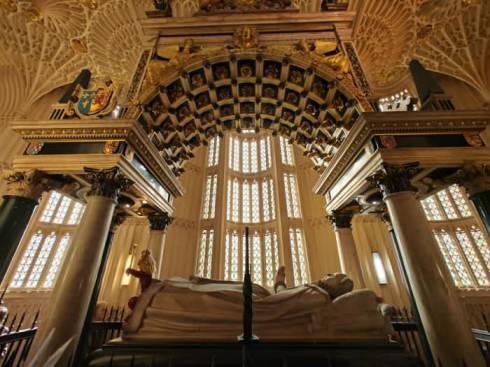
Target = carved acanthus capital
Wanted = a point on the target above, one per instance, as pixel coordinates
(30, 184)
(394, 178)
(117, 219)
(159, 221)
(340, 219)
(107, 182)
(475, 177)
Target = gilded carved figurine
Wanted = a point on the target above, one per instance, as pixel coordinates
(147, 267)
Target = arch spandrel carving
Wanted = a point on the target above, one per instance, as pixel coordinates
(191, 101)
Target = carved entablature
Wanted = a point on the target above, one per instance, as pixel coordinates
(67, 146)
(380, 142)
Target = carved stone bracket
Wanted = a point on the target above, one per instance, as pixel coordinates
(394, 178)
(473, 176)
(30, 184)
(107, 182)
(340, 219)
(159, 221)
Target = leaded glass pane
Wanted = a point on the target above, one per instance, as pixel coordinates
(431, 209)
(26, 261)
(294, 256)
(256, 259)
(246, 202)
(202, 254)
(76, 213)
(253, 157)
(445, 238)
(211, 152)
(272, 199)
(62, 210)
(210, 253)
(207, 197)
(245, 156)
(227, 256)
(234, 256)
(255, 202)
(447, 205)
(50, 207)
(214, 187)
(276, 251)
(266, 214)
(41, 260)
(447, 259)
(460, 200)
(236, 205)
(269, 264)
(472, 257)
(482, 244)
(58, 257)
(263, 155)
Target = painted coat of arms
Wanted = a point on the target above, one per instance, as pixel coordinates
(96, 101)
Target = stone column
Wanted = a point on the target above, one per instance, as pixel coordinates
(349, 259)
(23, 192)
(156, 242)
(72, 294)
(442, 315)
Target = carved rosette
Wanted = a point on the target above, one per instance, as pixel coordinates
(29, 184)
(107, 182)
(394, 178)
(159, 221)
(340, 219)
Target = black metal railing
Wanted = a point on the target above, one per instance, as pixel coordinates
(108, 328)
(16, 339)
(483, 339)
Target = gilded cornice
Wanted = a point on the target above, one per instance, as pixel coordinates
(90, 131)
(397, 123)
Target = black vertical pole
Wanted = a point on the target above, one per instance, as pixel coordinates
(247, 294)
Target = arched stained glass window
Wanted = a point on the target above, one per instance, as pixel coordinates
(463, 245)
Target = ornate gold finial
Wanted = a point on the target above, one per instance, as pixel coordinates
(246, 37)
(91, 4)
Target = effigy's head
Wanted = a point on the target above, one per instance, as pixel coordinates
(336, 284)
(146, 262)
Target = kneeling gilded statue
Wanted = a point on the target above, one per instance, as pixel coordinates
(199, 309)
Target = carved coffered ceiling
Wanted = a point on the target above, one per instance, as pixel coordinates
(447, 36)
(249, 89)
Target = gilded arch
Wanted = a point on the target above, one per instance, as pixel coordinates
(294, 94)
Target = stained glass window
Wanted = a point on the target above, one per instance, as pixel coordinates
(46, 241)
(246, 202)
(245, 156)
(205, 259)
(213, 152)
(286, 152)
(254, 167)
(209, 206)
(298, 257)
(255, 202)
(463, 245)
(256, 260)
(291, 192)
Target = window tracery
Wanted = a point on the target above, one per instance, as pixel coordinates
(46, 242)
(462, 243)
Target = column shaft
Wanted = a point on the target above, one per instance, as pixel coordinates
(156, 244)
(448, 332)
(15, 213)
(349, 259)
(74, 289)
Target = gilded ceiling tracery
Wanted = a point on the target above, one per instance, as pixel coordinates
(45, 43)
(447, 36)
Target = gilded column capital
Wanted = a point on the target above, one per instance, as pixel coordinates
(393, 178)
(29, 184)
(159, 221)
(340, 219)
(107, 182)
(475, 177)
